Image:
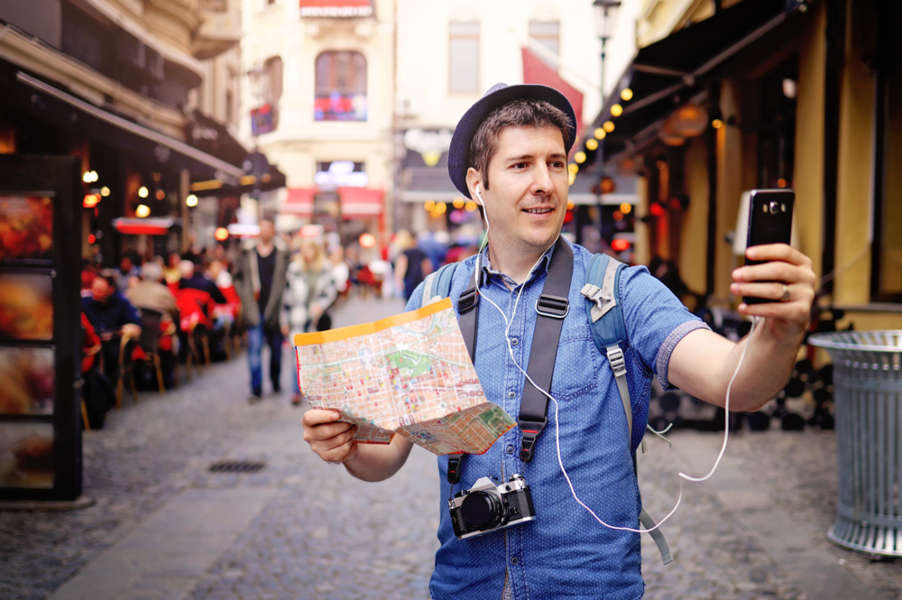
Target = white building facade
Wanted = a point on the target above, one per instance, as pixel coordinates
(318, 103)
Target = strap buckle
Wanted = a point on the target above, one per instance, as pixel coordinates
(454, 468)
(528, 442)
(603, 302)
(467, 300)
(552, 306)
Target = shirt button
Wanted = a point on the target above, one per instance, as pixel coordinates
(511, 394)
(509, 449)
(515, 560)
(515, 341)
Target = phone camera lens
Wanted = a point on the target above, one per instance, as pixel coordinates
(773, 207)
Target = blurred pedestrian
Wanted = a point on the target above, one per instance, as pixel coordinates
(310, 293)
(412, 264)
(260, 278)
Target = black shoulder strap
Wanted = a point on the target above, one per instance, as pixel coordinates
(552, 306)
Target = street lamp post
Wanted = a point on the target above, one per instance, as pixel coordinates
(605, 15)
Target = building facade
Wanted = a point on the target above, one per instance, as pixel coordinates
(730, 96)
(318, 102)
(448, 55)
(138, 90)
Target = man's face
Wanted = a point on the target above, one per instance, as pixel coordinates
(101, 289)
(267, 231)
(527, 200)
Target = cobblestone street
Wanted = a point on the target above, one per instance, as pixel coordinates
(162, 525)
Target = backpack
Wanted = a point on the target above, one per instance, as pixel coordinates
(608, 332)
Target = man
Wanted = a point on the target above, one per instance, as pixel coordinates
(509, 152)
(260, 281)
(112, 316)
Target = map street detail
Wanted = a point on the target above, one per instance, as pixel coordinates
(409, 373)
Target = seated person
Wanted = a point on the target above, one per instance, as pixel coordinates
(149, 292)
(112, 316)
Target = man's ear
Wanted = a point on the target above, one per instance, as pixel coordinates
(474, 178)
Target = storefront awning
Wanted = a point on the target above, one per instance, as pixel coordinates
(299, 201)
(680, 65)
(101, 121)
(359, 202)
(148, 226)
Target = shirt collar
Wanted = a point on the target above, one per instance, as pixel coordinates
(487, 270)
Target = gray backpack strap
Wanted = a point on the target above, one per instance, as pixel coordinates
(656, 535)
(609, 332)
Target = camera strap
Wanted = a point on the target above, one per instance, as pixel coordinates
(551, 309)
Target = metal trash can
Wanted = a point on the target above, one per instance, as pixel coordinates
(867, 384)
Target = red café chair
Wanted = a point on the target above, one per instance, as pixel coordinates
(230, 309)
(195, 306)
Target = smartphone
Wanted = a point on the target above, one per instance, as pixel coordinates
(769, 222)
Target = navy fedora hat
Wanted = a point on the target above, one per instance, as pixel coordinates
(496, 96)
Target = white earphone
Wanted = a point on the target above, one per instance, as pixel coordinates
(479, 194)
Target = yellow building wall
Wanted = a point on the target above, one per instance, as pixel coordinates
(808, 176)
(730, 180)
(854, 175)
(693, 241)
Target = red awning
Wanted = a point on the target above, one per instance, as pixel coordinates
(536, 70)
(358, 202)
(299, 202)
(148, 226)
(336, 8)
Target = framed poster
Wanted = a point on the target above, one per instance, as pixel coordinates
(26, 228)
(29, 379)
(26, 306)
(26, 455)
(40, 250)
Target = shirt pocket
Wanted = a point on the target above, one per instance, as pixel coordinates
(576, 369)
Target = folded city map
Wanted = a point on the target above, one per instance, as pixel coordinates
(408, 374)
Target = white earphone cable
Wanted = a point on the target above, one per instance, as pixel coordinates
(681, 475)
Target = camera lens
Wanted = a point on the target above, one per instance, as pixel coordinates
(774, 207)
(481, 510)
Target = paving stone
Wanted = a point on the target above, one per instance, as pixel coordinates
(324, 535)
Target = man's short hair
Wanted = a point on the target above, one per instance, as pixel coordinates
(109, 275)
(517, 113)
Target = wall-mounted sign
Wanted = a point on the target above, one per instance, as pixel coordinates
(336, 8)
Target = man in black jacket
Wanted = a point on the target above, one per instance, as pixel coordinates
(259, 282)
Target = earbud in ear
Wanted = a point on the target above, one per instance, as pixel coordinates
(479, 194)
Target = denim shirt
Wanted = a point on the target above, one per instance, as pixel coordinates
(564, 552)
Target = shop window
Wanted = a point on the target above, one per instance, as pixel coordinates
(267, 83)
(886, 275)
(547, 35)
(340, 86)
(463, 57)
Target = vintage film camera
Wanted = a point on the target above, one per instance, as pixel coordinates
(485, 507)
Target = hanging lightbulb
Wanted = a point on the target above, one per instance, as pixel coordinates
(616, 110)
(143, 192)
(191, 201)
(580, 157)
(591, 144)
(608, 126)
(142, 211)
(600, 133)
(626, 94)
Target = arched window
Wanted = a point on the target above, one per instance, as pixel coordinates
(340, 86)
